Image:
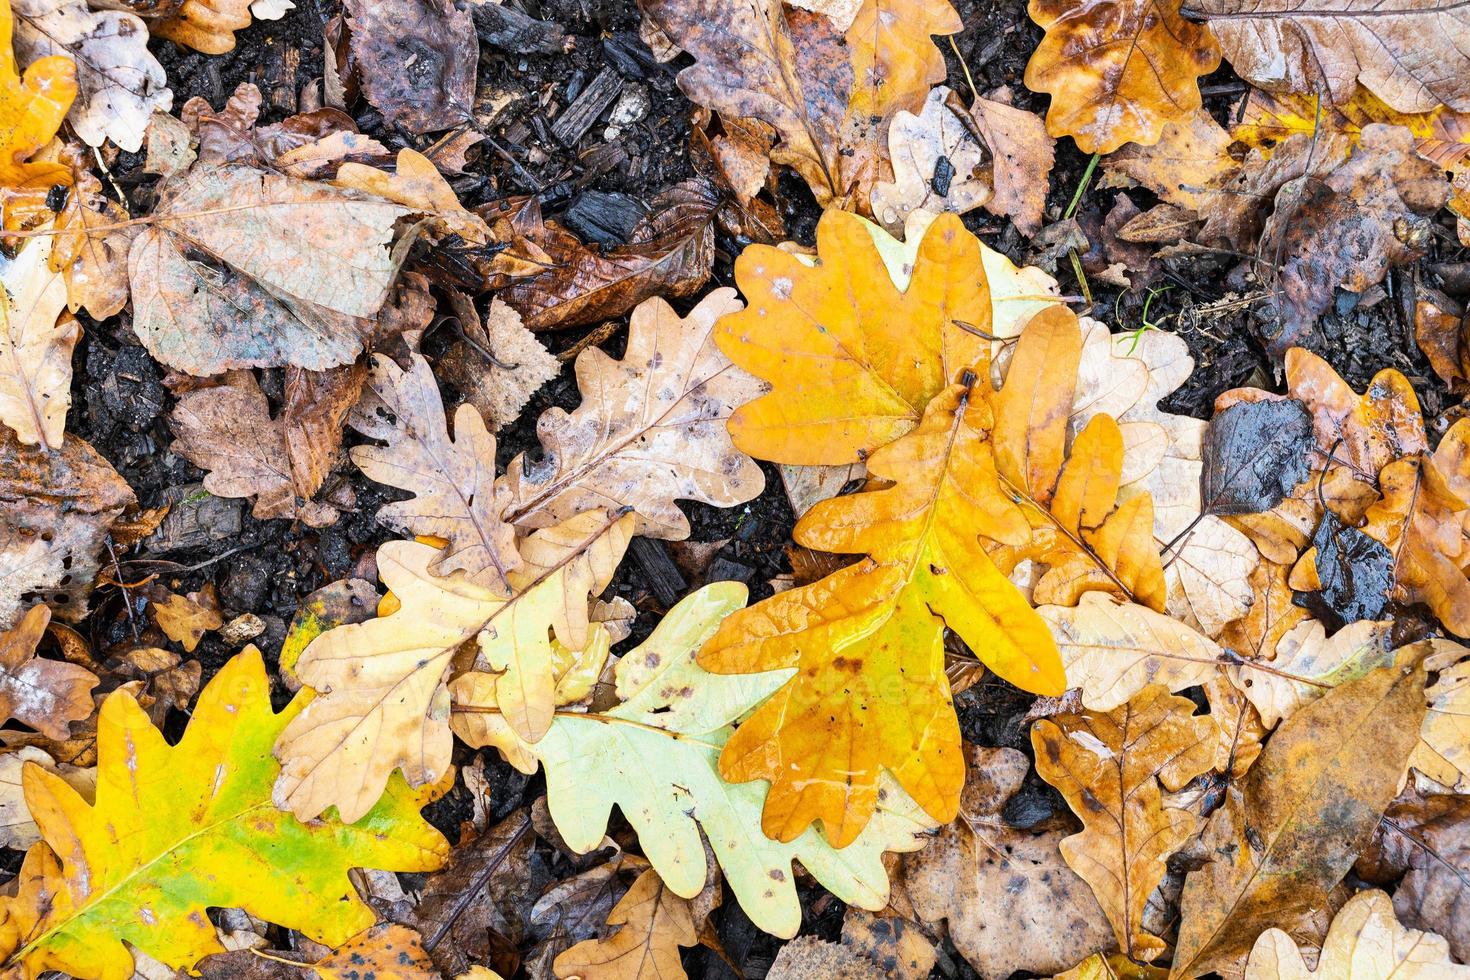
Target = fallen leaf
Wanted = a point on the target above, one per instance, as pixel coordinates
(437, 39)
(185, 619)
(32, 107)
(228, 431)
(17, 830)
(1290, 829)
(872, 948)
(55, 509)
(655, 755)
(938, 164)
(1442, 335)
(1255, 453)
(1190, 157)
(268, 297)
(669, 254)
(1109, 767)
(852, 350)
(1010, 901)
(1022, 154)
(1407, 56)
(455, 497)
(46, 694)
(1241, 731)
(1420, 520)
(1344, 233)
(651, 924)
(1443, 752)
(651, 429)
(417, 184)
(352, 600)
(135, 866)
(317, 405)
(1272, 615)
(207, 26)
(499, 365)
(1306, 664)
(91, 249)
(36, 342)
(119, 82)
(1117, 72)
(460, 905)
(1112, 650)
(166, 682)
(1365, 942)
(1422, 840)
(1112, 967)
(382, 703)
(384, 952)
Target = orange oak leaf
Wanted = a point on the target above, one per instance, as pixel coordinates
(32, 108)
(867, 641)
(1117, 72)
(852, 358)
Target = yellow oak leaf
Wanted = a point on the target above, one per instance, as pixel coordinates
(1118, 72)
(32, 108)
(177, 829)
(853, 356)
(384, 704)
(867, 641)
(1109, 767)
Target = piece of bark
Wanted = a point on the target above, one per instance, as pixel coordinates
(504, 27)
(664, 579)
(593, 101)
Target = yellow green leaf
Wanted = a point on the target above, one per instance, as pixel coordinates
(179, 829)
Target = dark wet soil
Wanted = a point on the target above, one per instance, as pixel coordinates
(266, 568)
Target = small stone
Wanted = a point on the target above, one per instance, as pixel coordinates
(631, 106)
(237, 631)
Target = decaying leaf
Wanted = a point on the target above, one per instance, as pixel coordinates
(32, 108)
(1409, 55)
(1255, 453)
(456, 498)
(655, 755)
(1365, 942)
(185, 619)
(45, 694)
(1422, 843)
(385, 952)
(36, 342)
(553, 279)
(382, 703)
(91, 251)
(651, 924)
(1109, 767)
(352, 600)
(872, 948)
(499, 365)
(1345, 232)
(1010, 901)
(1293, 825)
(119, 82)
(1182, 167)
(226, 252)
(437, 39)
(140, 865)
(55, 509)
(1022, 154)
(1118, 72)
(651, 429)
(1443, 752)
(228, 431)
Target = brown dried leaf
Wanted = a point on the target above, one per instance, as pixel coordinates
(669, 254)
(1291, 828)
(1444, 337)
(55, 509)
(1118, 72)
(651, 429)
(452, 478)
(1411, 55)
(228, 431)
(437, 39)
(1010, 900)
(872, 948)
(185, 619)
(46, 694)
(1424, 840)
(1022, 154)
(207, 26)
(1109, 767)
(499, 365)
(317, 405)
(1190, 156)
(653, 923)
